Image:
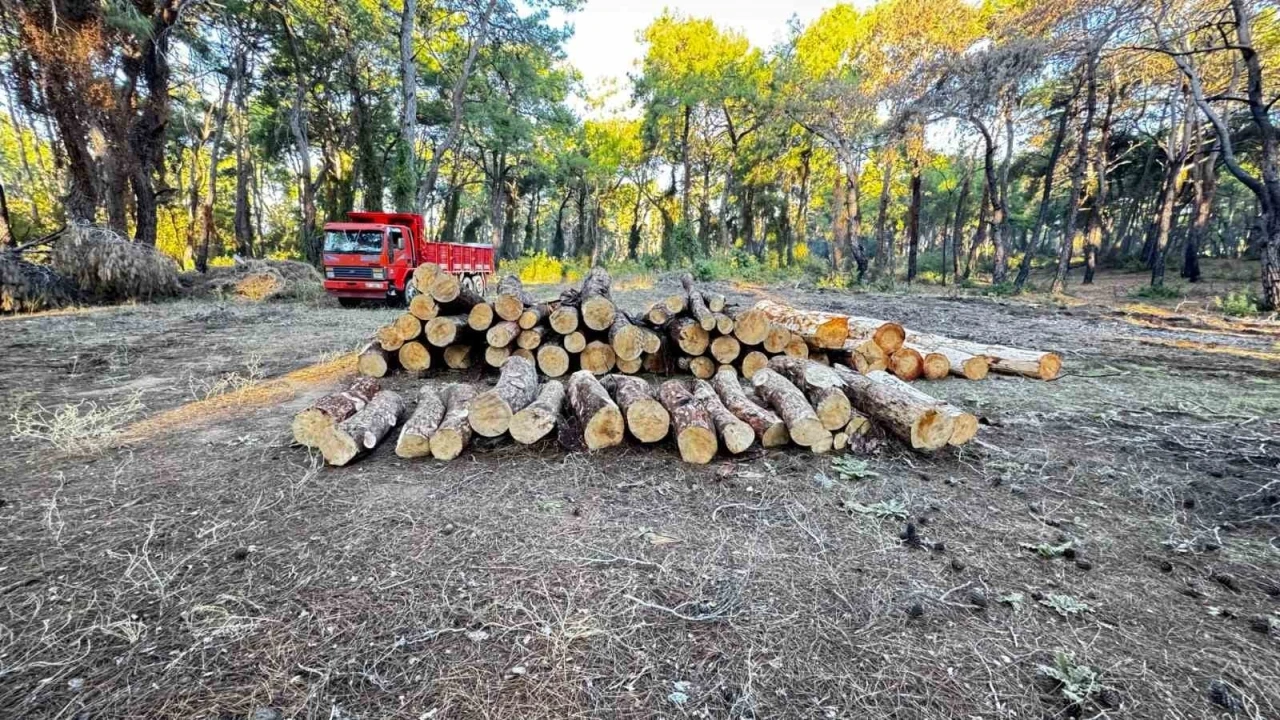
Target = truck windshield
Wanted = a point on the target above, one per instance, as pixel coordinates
(353, 241)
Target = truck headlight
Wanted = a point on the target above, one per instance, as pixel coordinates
(328, 272)
(379, 274)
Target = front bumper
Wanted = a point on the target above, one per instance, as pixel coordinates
(367, 289)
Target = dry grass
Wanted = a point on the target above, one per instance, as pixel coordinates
(84, 427)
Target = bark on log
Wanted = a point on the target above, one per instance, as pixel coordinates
(374, 361)
(415, 435)
(963, 364)
(502, 334)
(821, 385)
(598, 357)
(789, 402)
(657, 315)
(751, 327)
(766, 424)
(601, 420)
(736, 434)
(695, 433)
(539, 418)
(458, 357)
(533, 315)
(675, 304)
(325, 413)
(596, 305)
(552, 358)
(1013, 361)
(481, 316)
(363, 431)
(511, 299)
(825, 330)
(423, 307)
(564, 319)
(894, 404)
(725, 349)
(906, 364)
(465, 301)
(575, 342)
(454, 432)
(697, 305)
(422, 276)
(414, 356)
(444, 330)
(626, 337)
(715, 302)
(407, 327)
(753, 361)
(646, 418)
(491, 411)
(689, 335)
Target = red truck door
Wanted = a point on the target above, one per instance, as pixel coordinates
(400, 255)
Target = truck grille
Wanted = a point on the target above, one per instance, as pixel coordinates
(352, 273)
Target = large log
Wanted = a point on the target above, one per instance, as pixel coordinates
(596, 300)
(766, 424)
(415, 435)
(736, 434)
(917, 420)
(626, 337)
(797, 347)
(462, 303)
(821, 385)
(374, 360)
(868, 357)
(539, 417)
(906, 364)
(831, 330)
(689, 335)
(422, 277)
(646, 418)
(388, 338)
(445, 287)
(753, 361)
(444, 330)
(751, 327)
(480, 317)
(407, 327)
(598, 357)
(564, 318)
(552, 358)
(963, 363)
(789, 402)
(414, 356)
(491, 411)
(363, 431)
(725, 349)
(935, 365)
(598, 416)
(694, 429)
(324, 414)
(423, 307)
(511, 299)
(454, 432)
(697, 304)
(777, 339)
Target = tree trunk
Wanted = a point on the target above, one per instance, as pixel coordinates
(1078, 169)
(957, 227)
(980, 233)
(406, 175)
(1205, 189)
(1037, 236)
(884, 237)
(243, 222)
(913, 221)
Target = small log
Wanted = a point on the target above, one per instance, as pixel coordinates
(701, 367)
(657, 315)
(697, 305)
(962, 363)
(824, 330)
(824, 446)
(859, 425)
(423, 307)
(695, 433)
(798, 347)
(651, 341)
(715, 302)
(454, 432)
(564, 319)
(415, 435)
(725, 349)
(374, 361)
(444, 330)
(414, 356)
(533, 315)
(552, 358)
(491, 411)
(445, 287)
(777, 339)
(530, 339)
(936, 365)
(766, 424)
(724, 324)
(502, 333)
(840, 441)
(689, 335)
(822, 387)
(496, 356)
(407, 327)
(536, 420)
(422, 277)
(751, 327)
(598, 416)
(575, 342)
(526, 354)
(598, 357)
(629, 367)
(753, 361)
(906, 364)
(821, 358)
(363, 431)
(511, 299)
(911, 415)
(789, 402)
(869, 357)
(324, 414)
(646, 418)
(596, 302)
(626, 337)
(457, 357)
(480, 317)
(675, 304)
(388, 338)
(736, 434)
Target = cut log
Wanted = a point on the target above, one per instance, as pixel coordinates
(702, 367)
(564, 319)
(526, 354)
(444, 330)
(454, 432)
(646, 418)
(697, 305)
(626, 337)
(457, 357)
(374, 361)
(629, 367)
(363, 431)
(463, 303)
(657, 315)
(803, 424)
(675, 304)
(936, 365)
(650, 340)
(415, 435)
(715, 302)
(689, 335)
(964, 425)
(533, 315)
(388, 338)
(840, 441)
(324, 414)
(496, 356)
(423, 307)
(798, 347)
(724, 324)
(766, 424)
(869, 357)
(502, 333)
(552, 358)
(914, 417)
(906, 364)
(596, 302)
(753, 361)
(530, 339)
(823, 446)
(480, 318)
(824, 330)
(445, 287)
(598, 357)
(491, 411)
(539, 417)
(751, 327)
(821, 358)
(975, 366)
(725, 349)
(736, 435)
(599, 417)
(414, 356)
(408, 327)
(422, 276)
(859, 425)
(575, 342)
(821, 385)
(777, 339)
(511, 299)
(695, 433)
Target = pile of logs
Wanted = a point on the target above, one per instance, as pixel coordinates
(769, 375)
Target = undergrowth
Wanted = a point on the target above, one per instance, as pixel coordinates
(80, 428)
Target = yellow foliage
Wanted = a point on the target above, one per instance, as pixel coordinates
(801, 252)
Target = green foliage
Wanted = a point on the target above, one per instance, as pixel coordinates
(1156, 292)
(891, 509)
(1046, 550)
(850, 468)
(1077, 683)
(1237, 304)
(1065, 605)
(1004, 289)
(1014, 600)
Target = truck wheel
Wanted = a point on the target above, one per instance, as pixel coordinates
(410, 291)
(348, 302)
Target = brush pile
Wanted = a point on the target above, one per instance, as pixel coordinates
(258, 280)
(107, 267)
(26, 286)
(768, 375)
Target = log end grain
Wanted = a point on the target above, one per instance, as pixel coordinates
(598, 312)
(414, 356)
(697, 445)
(648, 421)
(553, 360)
(480, 318)
(936, 366)
(907, 364)
(975, 368)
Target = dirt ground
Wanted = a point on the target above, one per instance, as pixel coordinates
(1125, 516)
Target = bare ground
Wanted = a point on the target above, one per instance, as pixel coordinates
(207, 569)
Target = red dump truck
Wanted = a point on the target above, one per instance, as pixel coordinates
(372, 255)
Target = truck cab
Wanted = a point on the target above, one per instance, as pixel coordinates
(372, 255)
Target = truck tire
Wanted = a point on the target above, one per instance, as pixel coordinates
(349, 302)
